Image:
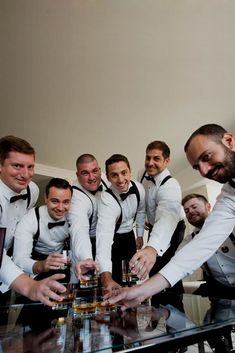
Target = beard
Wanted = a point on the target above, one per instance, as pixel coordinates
(223, 171)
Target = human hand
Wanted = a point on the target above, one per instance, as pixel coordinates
(139, 243)
(142, 262)
(107, 281)
(84, 266)
(54, 261)
(127, 297)
(46, 289)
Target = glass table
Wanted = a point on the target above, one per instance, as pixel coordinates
(174, 321)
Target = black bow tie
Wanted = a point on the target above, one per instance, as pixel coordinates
(150, 178)
(100, 188)
(55, 224)
(129, 192)
(195, 233)
(232, 183)
(18, 197)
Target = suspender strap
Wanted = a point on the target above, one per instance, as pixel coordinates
(165, 179)
(232, 183)
(29, 196)
(137, 196)
(91, 216)
(142, 178)
(104, 183)
(232, 238)
(36, 235)
(119, 221)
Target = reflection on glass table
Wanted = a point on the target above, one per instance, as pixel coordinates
(33, 327)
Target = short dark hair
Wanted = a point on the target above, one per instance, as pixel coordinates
(159, 145)
(192, 196)
(114, 159)
(85, 158)
(14, 144)
(215, 131)
(59, 184)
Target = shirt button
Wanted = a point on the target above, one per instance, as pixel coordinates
(225, 249)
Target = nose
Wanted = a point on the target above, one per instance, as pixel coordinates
(204, 168)
(120, 179)
(91, 176)
(26, 173)
(150, 161)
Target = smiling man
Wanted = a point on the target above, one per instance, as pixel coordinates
(83, 211)
(17, 191)
(119, 208)
(43, 232)
(164, 212)
(211, 151)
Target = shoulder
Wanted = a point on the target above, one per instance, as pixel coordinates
(34, 188)
(139, 186)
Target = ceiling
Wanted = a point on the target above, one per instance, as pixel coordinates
(108, 77)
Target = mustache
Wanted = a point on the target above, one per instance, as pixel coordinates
(210, 173)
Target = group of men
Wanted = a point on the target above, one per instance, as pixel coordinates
(104, 217)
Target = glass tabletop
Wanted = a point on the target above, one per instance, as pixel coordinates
(78, 327)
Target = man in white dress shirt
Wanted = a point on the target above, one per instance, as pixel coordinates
(17, 191)
(119, 209)
(211, 151)
(43, 233)
(83, 210)
(219, 268)
(18, 194)
(164, 212)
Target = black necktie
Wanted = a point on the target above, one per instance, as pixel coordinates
(130, 191)
(55, 224)
(18, 197)
(150, 178)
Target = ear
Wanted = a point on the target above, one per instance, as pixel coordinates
(167, 160)
(228, 140)
(208, 206)
(45, 197)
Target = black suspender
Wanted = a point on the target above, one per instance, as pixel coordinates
(36, 235)
(104, 183)
(142, 178)
(29, 196)
(163, 181)
(119, 221)
(91, 216)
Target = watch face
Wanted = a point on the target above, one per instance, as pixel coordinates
(2, 240)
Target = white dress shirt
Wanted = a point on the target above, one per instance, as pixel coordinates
(11, 213)
(221, 263)
(83, 207)
(49, 241)
(8, 271)
(163, 208)
(216, 229)
(109, 212)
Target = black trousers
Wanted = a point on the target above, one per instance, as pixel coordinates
(123, 248)
(176, 239)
